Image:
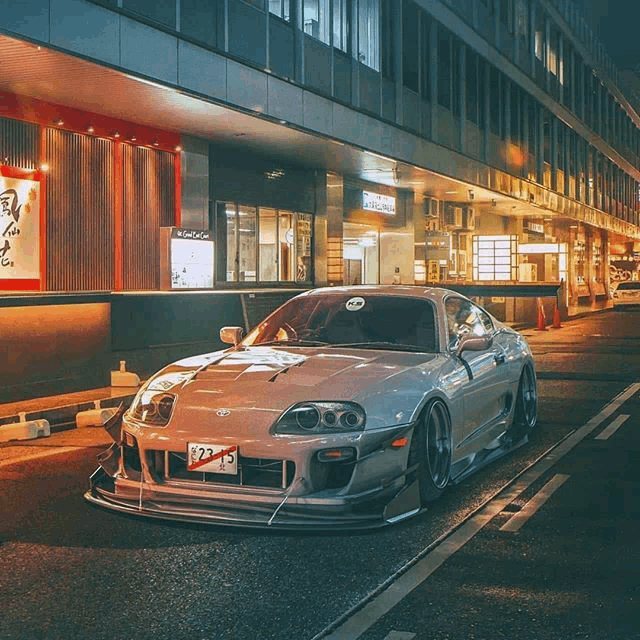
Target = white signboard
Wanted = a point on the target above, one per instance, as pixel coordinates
(191, 263)
(378, 203)
(19, 228)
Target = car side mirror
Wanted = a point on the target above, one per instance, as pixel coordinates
(469, 342)
(231, 335)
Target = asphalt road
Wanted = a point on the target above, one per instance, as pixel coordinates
(68, 570)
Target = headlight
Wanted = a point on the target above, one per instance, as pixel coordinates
(321, 417)
(153, 407)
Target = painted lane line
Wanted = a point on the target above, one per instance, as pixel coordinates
(400, 635)
(515, 522)
(612, 428)
(35, 456)
(363, 615)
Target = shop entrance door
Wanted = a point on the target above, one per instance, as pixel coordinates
(360, 252)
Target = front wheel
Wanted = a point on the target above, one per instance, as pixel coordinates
(431, 448)
(526, 410)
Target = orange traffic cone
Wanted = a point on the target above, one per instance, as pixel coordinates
(556, 324)
(541, 324)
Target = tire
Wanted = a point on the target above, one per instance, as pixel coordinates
(525, 414)
(431, 448)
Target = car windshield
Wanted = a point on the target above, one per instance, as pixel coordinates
(358, 321)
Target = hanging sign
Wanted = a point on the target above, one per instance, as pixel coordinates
(19, 228)
(378, 203)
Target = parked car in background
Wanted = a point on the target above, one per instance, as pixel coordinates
(347, 407)
(626, 293)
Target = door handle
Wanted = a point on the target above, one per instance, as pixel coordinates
(500, 358)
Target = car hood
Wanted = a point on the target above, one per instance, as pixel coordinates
(246, 390)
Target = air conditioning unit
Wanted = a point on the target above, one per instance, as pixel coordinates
(470, 219)
(453, 217)
(431, 207)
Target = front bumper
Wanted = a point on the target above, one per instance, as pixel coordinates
(380, 491)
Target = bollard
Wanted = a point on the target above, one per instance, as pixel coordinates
(94, 417)
(26, 430)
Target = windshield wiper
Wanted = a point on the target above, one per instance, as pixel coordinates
(291, 343)
(381, 345)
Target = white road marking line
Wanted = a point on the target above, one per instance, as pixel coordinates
(515, 522)
(612, 428)
(400, 635)
(354, 624)
(35, 456)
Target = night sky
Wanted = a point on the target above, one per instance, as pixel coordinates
(617, 25)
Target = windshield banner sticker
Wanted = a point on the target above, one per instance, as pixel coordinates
(19, 228)
(355, 304)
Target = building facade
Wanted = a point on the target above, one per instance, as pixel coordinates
(222, 146)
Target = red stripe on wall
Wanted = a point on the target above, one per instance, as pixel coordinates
(43, 210)
(117, 186)
(19, 284)
(79, 121)
(20, 174)
(177, 188)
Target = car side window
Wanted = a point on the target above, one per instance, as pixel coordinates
(463, 317)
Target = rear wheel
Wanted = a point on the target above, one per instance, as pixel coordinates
(526, 409)
(431, 448)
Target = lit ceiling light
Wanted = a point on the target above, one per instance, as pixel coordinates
(116, 134)
(132, 137)
(90, 128)
(59, 122)
(44, 167)
(155, 142)
(178, 148)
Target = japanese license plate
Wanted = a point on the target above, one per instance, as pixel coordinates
(212, 458)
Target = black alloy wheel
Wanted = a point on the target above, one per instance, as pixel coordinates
(431, 448)
(526, 410)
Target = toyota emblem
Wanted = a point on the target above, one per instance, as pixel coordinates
(223, 412)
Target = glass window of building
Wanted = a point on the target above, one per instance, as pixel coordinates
(494, 100)
(240, 225)
(387, 45)
(264, 244)
(425, 55)
(340, 25)
(482, 91)
(259, 4)
(506, 12)
(286, 247)
(495, 257)
(281, 8)
(360, 250)
(456, 95)
(410, 61)
(444, 67)
(268, 245)
(369, 33)
(315, 19)
(472, 85)
(162, 12)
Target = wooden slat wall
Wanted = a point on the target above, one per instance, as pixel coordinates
(80, 212)
(148, 204)
(18, 144)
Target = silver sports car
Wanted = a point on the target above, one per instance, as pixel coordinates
(347, 406)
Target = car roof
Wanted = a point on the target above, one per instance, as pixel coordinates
(405, 291)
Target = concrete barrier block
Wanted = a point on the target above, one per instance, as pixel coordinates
(27, 430)
(94, 417)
